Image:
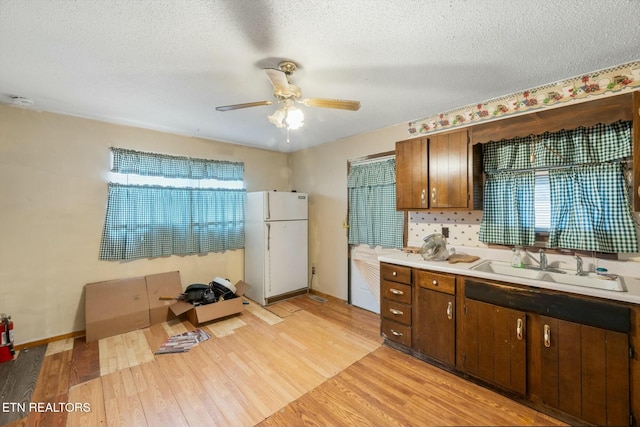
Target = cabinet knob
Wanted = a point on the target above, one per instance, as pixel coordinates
(394, 274)
(396, 312)
(450, 310)
(396, 291)
(396, 333)
(423, 195)
(435, 282)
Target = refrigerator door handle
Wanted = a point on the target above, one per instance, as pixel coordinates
(268, 206)
(268, 236)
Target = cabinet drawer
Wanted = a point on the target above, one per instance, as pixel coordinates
(396, 273)
(396, 311)
(436, 282)
(396, 292)
(396, 332)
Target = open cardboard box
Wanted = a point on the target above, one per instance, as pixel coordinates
(117, 306)
(205, 313)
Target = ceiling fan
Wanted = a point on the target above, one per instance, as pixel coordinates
(288, 116)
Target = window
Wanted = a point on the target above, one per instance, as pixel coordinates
(542, 200)
(161, 205)
(570, 183)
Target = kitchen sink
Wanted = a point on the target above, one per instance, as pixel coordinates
(505, 268)
(589, 280)
(566, 277)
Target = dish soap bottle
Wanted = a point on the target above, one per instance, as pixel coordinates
(516, 259)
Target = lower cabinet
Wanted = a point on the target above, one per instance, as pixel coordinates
(584, 371)
(561, 352)
(434, 320)
(494, 345)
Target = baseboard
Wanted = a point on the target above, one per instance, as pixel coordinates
(51, 339)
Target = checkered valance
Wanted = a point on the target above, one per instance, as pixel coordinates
(152, 164)
(596, 144)
(376, 173)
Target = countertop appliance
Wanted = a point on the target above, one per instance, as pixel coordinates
(276, 245)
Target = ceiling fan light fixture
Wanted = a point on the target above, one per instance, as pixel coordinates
(294, 118)
(287, 116)
(278, 116)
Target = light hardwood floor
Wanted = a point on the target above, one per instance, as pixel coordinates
(299, 362)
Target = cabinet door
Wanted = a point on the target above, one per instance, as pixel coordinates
(448, 170)
(412, 174)
(585, 371)
(494, 345)
(434, 325)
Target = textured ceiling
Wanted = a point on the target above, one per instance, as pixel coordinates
(166, 64)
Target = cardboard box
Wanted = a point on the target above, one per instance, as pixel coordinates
(162, 285)
(205, 313)
(115, 306)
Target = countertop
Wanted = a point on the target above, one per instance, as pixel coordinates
(631, 282)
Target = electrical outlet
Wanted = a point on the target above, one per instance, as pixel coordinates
(445, 232)
(313, 269)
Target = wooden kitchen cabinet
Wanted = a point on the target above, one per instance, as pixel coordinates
(434, 320)
(448, 170)
(494, 345)
(569, 353)
(584, 371)
(438, 172)
(412, 174)
(396, 303)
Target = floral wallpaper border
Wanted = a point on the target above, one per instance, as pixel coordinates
(605, 82)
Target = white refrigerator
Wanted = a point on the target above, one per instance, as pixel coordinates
(276, 247)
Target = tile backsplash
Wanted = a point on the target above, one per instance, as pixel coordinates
(463, 227)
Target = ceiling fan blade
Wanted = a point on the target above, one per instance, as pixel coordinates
(246, 105)
(341, 104)
(279, 81)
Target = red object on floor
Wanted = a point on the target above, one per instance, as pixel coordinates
(6, 343)
(5, 354)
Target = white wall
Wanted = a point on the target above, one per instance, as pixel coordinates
(53, 192)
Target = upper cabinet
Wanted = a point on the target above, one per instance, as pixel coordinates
(412, 169)
(448, 173)
(435, 172)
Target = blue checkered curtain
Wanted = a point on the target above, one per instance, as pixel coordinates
(153, 164)
(590, 205)
(508, 212)
(151, 221)
(508, 217)
(373, 219)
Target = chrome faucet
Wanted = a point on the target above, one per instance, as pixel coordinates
(543, 259)
(580, 271)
